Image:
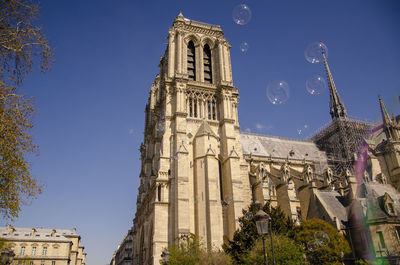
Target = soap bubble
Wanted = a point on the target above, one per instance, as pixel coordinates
(254, 147)
(241, 14)
(313, 52)
(249, 216)
(312, 245)
(315, 85)
(302, 130)
(278, 92)
(244, 46)
(322, 238)
(160, 127)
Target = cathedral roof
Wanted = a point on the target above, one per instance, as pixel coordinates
(335, 203)
(279, 147)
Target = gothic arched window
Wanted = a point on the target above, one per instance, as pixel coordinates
(191, 61)
(207, 64)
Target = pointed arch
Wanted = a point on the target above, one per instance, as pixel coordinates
(191, 61)
(207, 64)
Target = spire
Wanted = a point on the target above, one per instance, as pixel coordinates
(385, 115)
(338, 111)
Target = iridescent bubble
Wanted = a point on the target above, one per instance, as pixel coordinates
(302, 130)
(160, 127)
(315, 85)
(244, 46)
(241, 14)
(254, 147)
(322, 238)
(313, 52)
(278, 92)
(312, 245)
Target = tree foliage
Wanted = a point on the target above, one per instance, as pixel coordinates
(285, 249)
(191, 251)
(330, 253)
(246, 236)
(22, 43)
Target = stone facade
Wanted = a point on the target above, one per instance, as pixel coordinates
(41, 246)
(199, 171)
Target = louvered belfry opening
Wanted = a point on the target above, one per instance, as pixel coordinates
(207, 64)
(191, 61)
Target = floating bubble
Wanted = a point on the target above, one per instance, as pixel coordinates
(278, 92)
(302, 130)
(313, 52)
(160, 127)
(315, 85)
(312, 245)
(322, 238)
(228, 200)
(254, 147)
(244, 46)
(241, 14)
(249, 216)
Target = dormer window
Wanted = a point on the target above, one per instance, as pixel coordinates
(207, 64)
(387, 204)
(191, 61)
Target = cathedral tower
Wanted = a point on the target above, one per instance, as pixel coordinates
(190, 180)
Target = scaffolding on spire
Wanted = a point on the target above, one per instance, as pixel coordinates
(343, 137)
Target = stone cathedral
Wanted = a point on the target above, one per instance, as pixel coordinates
(198, 171)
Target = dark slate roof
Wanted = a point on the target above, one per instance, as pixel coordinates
(376, 190)
(335, 203)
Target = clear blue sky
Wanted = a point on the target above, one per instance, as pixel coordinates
(90, 106)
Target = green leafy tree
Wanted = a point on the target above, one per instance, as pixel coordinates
(328, 250)
(191, 251)
(22, 44)
(286, 252)
(245, 237)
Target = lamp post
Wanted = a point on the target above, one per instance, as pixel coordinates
(165, 255)
(263, 227)
(7, 256)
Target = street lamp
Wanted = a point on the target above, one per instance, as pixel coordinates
(7, 256)
(165, 256)
(263, 227)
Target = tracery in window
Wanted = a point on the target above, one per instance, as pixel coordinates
(191, 61)
(207, 64)
(202, 105)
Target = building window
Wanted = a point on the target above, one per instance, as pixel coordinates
(191, 61)
(190, 107)
(214, 110)
(22, 251)
(207, 64)
(195, 107)
(53, 262)
(390, 208)
(44, 251)
(209, 109)
(398, 232)
(381, 239)
(159, 192)
(33, 251)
